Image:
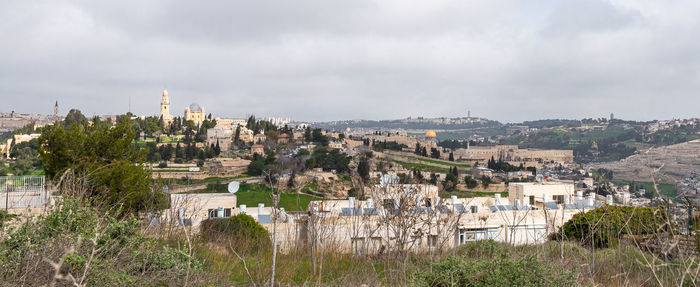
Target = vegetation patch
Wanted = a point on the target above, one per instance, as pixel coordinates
(93, 247)
(603, 227)
(664, 189)
(245, 234)
(442, 162)
(423, 167)
(251, 194)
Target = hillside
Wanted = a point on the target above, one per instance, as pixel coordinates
(674, 162)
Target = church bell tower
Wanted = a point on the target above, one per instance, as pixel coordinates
(165, 107)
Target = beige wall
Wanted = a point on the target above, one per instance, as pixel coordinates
(196, 206)
(514, 154)
(370, 234)
(523, 191)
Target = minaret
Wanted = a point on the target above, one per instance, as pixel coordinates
(55, 110)
(165, 106)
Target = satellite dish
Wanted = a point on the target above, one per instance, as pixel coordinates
(385, 180)
(233, 186)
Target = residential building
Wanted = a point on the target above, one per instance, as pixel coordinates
(257, 148)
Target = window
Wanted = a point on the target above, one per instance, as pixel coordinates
(428, 202)
(432, 240)
(559, 199)
(213, 213)
(227, 212)
(358, 245)
(474, 208)
(376, 244)
(532, 200)
(474, 234)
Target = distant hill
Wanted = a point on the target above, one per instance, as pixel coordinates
(675, 162)
(609, 143)
(411, 124)
(601, 141)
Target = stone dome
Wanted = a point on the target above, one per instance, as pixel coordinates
(430, 134)
(195, 107)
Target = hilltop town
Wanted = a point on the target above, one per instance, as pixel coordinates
(349, 143)
(372, 187)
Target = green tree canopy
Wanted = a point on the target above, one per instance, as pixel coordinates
(107, 159)
(74, 116)
(604, 226)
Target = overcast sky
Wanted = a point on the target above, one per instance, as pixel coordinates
(330, 60)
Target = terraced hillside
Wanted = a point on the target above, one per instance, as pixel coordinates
(673, 163)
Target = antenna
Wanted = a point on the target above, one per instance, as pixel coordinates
(129, 103)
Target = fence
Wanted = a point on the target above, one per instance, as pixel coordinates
(23, 191)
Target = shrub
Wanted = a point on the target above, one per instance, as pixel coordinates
(108, 250)
(241, 233)
(604, 226)
(163, 165)
(4, 216)
(498, 271)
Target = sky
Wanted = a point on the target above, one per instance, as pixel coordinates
(337, 60)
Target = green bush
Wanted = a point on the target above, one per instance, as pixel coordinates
(241, 233)
(489, 270)
(604, 226)
(4, 217)
(117, 251)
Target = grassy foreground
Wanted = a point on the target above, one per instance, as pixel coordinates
(101, 250)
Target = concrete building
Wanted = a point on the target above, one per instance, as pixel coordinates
(233, 123)
(245, 135)
(259, 138)
(413, 218)
(221, 135)
(192, 208)
(18, 139)
(257, 148)
(283, 138)
(5, 149)
(335, 145)
(539, 193)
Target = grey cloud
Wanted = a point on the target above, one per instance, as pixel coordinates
(324, 60)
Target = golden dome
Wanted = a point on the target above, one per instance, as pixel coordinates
(430, 134)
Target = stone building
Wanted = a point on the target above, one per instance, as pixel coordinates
(222, 135)
(165, 107)
(258, 148)
(511, 153)
(194, 113)
(415, 218)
